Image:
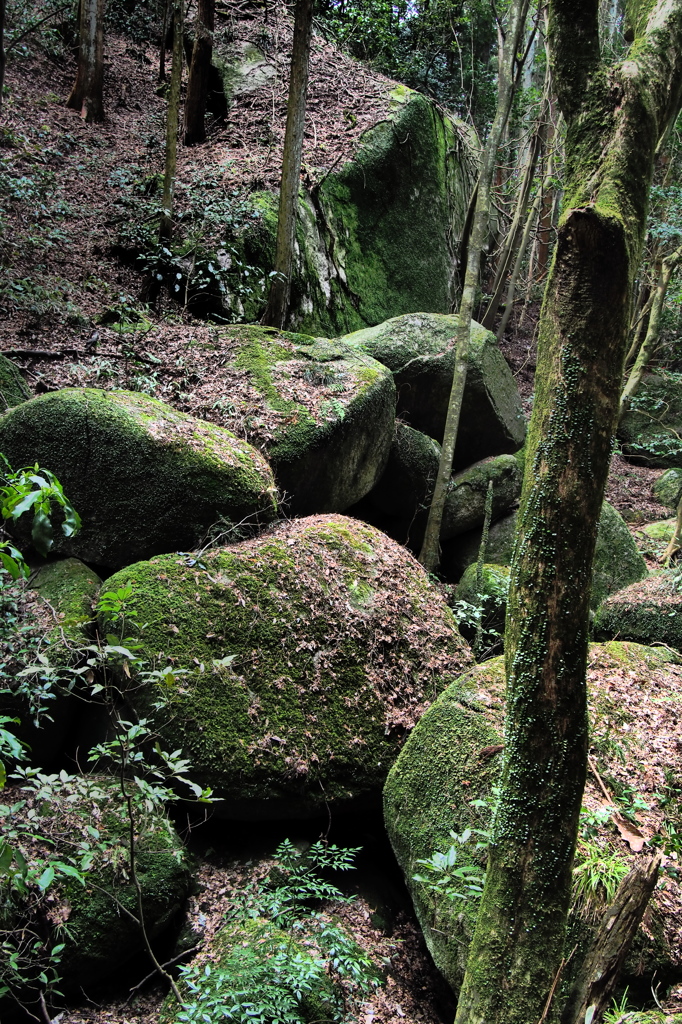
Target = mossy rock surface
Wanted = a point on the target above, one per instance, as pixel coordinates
(408, 479)
(56, 619)
(143, 477)
(668, 488)
(323, 413)
(617, 560)
(466, 497)
(13, 387)
(651, 428)
(99, 937)
(419, 349)
(453, 758)
(647, 612)
(232, 949)
(339, 643)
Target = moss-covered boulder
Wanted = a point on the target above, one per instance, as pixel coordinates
(54, 622)
(248, 953)
(322, 412)
(650, 430)
(653, 539)
(82, 822)
(668, 488)
(451, 763)
(306, 655)
(467, 493)
(144, 477)
(617, 559)
(13, 388)
(419, 349)
(408, 479)
(647, 612)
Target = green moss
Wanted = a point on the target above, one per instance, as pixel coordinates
(668, 488)
(71, 589)
(144, 477)
(326, 620)
(647, 612)
(13, 388)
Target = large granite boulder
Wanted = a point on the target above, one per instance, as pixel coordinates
(13, 388)
(321, 411)
(419, 349)
(668, 488)
(298, 661)
(81, 824)
(617, 560)
(444, 779)
(649, 611)
(143, 477)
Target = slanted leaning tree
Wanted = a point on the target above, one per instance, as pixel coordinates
(280, 289)
(615, 116)
(199, 71)
(88, 89)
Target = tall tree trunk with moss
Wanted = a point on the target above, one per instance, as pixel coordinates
(280, 288)
(615, 116)
(87, 93)
(2, 48)
(172, 123)
(518, 10)
(199, 71)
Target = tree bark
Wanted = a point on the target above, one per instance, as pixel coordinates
(199, 71)
(280, 289)
(615, 116)
(650, 342)
(2, 48)
(601, 968)
(430, 552)
(88, 89)
(172, 122)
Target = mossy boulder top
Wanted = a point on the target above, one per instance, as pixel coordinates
(617, 560)
(321, 411)
(419, 349)
(338, 643)
(13, 388)
(649, 611)
(453, 757)
(668, 487)
(143, 477)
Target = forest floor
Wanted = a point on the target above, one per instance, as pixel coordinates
(62, 202)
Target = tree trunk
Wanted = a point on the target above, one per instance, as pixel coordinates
(162, 47)
(280, 289)
(172, 122)
(87, 92)
(650, 342)
(615, 114)
(598, 976)
(430, 552)
(199, 71)
(2, 48)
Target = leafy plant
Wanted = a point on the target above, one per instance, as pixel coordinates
(266, 981)
(33, 490)
(447, 877)
(596, 877)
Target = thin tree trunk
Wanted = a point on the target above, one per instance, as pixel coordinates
(514, 234)
(162, 47)
(639, 319)
(280, 289)
(430, 552)
(650, 342)
(598, 976)
(676, 539)
(199, 71)
(615, 114)
(172, 123)
(530, 221)
(88, 89)
(2, 48)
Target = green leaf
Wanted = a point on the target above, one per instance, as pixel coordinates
(47, 878)
(42, 533)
